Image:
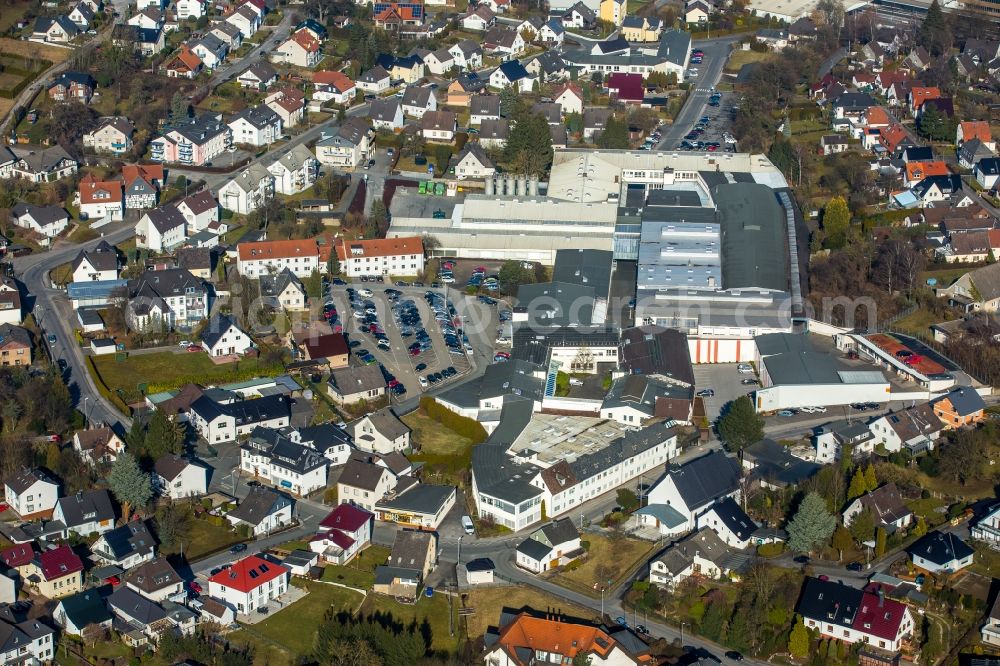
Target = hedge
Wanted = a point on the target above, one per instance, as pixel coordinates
(103, 389)
(462, 425)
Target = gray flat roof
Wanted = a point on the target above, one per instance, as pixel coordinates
(422, 498)
(753, 237)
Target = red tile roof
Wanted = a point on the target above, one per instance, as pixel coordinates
(187, 58)
(921, 170)
(379, 247)
(305, 39)
(248, 574)
(338, 80)
(976, 129)
(336, 536)
(148, 172)
(566, 638)
(17, 556)
(90, 188)
(346, 517)
(59, 562)
(277, 249)
(879, 616)
(627, 86)
(920, 95)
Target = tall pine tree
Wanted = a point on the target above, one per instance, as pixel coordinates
(811, 526)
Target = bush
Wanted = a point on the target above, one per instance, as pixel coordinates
(585, 545)
(573, 566)
(462, 425)
(771, 549)
(330, 495)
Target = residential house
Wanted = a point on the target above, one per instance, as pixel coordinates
(578, 16)
(852, 105)
(258, 76)
(246, 18)
(696, 12)
(294, 171)
(626, 88)
(408, 69)
(395, 17)
(100, 199)
(248, 190)
(15, 345)
(385, 113)
(55, 573)
(473, 162)
(503, 42)
(199, 261)
(775, 39)
(480, 19)
(641, 29)
(289, 104)
(156, 580)
(228, 34)
(936, 188)
(730, 522)
(77, 612)
(594, 122)
(112, 135)
(411, 560)
(484, 107)
(418, 100)
(833, 143)
(970, 154)
(971, 247)
(178, 478)
(161, 229)
(380, 432)
(184, 64)
(55, 29)
(222, 337)
(563, 640)
(362, 483)
(48, 221)
(439, 62)
(82, 15)
(249, 584)
(987, 528)
(42, 165)
(494, 133)
(974, 129)
(552, 33)
(270, 456)
(141, 620)
(692, 488)
(401, 256)
(352, 145)
(142, 184)
(336, 87)
(210, 50)
(467, 55)
(10, 302)
(328, 350)
(148, 18)
(265, 257)
(100, 263)
(919, 95)
(462, 89)
(375, 81)
(916, 428)
(264, 510)
(344, 533)
(987, 172)
(31, 494)
(990, 631)
(256, 126)
(886, 506)
(145, 41)
(852, 615)
(941, 553)
(195, 142)
(569, 97)
(552, 545)
(977, 290)
(190, 9)
(285, 290)
(703, 553)
(126, 546)
(98, 446)
(351, 385)
(961, 406)
(75, 86)
(200, 210)
(439, 126)
(172, 297)
(614, 11)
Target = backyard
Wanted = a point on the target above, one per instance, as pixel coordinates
(359, 572)
(609, 561)
(488, 602)
(287, 635)
(433, 610)
(201, 537)
(168, 370)
(444, 452)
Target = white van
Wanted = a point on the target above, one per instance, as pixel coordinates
(467, 525)
(573, 381)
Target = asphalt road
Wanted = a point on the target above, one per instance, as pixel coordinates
(709, 74)
(55, 316)
(234, 68)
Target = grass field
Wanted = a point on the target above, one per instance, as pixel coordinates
(945, 276)
(919, 321)
(288, 635)
(360, 572)
(432, 437)
(17, 47)
(5, 106)
(203, 538)
(12, 13)
(739, 58)
(488, 602)
(434, 610)
(611, 559)
(167, 370)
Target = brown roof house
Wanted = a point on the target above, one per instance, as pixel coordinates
(98, 446)
(410, 562)
(886, 506)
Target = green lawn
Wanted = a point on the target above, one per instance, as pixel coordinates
(739, 58)
(927, 509)
(445, 453)
(288, 635)
(360, 572)
(12, 13)
(202, 538)
(612, 560)
(167, 370)
(434, 610)
(945, 276)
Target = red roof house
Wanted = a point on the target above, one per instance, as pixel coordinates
(344, 533)
(249, 584)
(626, 88)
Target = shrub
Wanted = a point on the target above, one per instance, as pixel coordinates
(462, 425)
(330, 495)
(585, 545)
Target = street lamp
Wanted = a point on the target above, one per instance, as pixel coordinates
(86, 419)
(682, 634)
(459, 557)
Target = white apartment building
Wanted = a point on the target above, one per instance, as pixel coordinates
(301, 257)
(381, 256)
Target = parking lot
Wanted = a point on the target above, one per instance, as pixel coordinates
(389, 333)
(725, 380)
(712, 127)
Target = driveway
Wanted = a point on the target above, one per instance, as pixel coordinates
(722, 378)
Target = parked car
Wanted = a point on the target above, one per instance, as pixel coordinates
(238, 548)
(706, 393)
(787, 412)
(734, 655)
